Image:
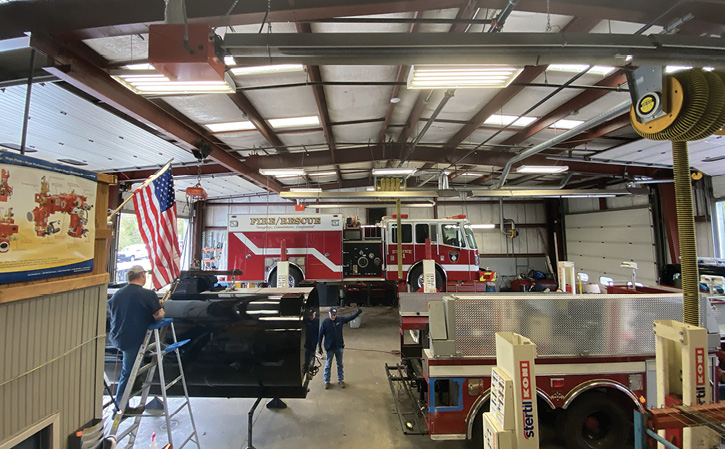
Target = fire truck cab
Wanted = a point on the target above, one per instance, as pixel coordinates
(321, 248)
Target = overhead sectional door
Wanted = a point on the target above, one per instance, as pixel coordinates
(598, 242)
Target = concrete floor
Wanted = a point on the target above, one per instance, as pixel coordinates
(361, 415)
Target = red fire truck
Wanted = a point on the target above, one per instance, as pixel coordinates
(321, 248)
(595, 361)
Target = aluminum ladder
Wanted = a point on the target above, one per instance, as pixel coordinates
(153, 347)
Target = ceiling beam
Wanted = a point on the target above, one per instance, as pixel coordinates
(257, 120)
(502, 97)
(466, 12)
(583, 99)
(84, 19)
(400, 77)
(94, 81)
(602, 130)
(318, 90)
(131, 176)
(439, 155)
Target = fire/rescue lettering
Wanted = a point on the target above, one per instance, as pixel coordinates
(272, 221)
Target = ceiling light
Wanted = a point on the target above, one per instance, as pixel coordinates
(393, 171)
(340, 205)
(230, 126)
(483, 226)
(294, 122)
(281, 172)
(141, 66)
(370, 188)
(603, 70)
(566, 124)
(229, 61)
(543, 169)
(266, 69)
(154, 83)
(676, 68)
(513, 120)
(470, 174)
(395, 100)
(460, 76)
(305, 189)
(323, 173)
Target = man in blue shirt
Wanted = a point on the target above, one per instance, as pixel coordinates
(133, 309)
(331, 332)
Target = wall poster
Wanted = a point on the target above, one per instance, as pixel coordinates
(47, 219)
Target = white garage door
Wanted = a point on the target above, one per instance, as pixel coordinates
(598, 242)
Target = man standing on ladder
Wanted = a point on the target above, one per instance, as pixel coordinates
(133, 308)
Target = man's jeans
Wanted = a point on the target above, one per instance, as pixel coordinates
(337, 353)
(128, 358)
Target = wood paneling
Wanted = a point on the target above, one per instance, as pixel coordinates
(51, 360)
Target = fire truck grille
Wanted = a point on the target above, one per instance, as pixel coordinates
(564, 325)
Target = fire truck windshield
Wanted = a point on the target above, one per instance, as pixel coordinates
(471, 239)
(451, 235)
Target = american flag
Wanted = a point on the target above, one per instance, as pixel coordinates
(155, 206)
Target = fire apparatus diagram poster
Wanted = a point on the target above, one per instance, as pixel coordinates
(46, 219)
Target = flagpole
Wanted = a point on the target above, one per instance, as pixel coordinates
(144, 184)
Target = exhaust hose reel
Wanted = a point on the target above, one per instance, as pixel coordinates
(696, 110)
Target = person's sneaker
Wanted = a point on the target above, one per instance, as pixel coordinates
(327, 385)
(134, 410)
(342, 384)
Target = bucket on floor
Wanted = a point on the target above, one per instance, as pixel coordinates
(356, 322)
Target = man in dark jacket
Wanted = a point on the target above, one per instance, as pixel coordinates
(331, 333)
(133, 309)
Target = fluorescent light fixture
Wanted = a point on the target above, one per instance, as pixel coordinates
(483, 226)
(229, 61)
(676, 68)
(154, 83)
(16, 43)
(284, 172)
(323, 173)
(305, 189)
(294, 122)
(230, 126)
(603, 70)
(461, 76)
(708, 69)
(266, 69)
(513, 120)
(370, 189)
(470, 174)
(543, 169)
(393, 171)
(341, 205)
(566, 124)
(140, 66)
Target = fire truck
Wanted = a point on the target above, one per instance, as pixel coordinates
(595, 364)
(321, 248)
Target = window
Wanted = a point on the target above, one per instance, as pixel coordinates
(132, 251)
(407, 233)
(425, 231)
(471, 238)
(719, 229)
(447, 393)
(451, 235)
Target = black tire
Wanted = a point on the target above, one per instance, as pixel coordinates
(295, 277)
(595, 421)
(416, 279)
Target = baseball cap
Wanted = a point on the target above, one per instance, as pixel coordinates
(333, 310)
(136, 269)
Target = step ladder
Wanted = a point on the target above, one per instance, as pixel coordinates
(154, 348)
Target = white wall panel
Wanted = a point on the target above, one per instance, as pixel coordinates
(598, 242)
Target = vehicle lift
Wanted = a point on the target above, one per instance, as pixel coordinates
(688, 419)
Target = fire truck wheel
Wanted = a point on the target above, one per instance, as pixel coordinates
(595, 421)
(295, 277)
(416, 279)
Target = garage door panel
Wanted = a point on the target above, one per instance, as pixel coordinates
(609, 234)
(623, 251)
(598, 242)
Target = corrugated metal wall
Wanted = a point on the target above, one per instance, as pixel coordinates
(51, 360)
